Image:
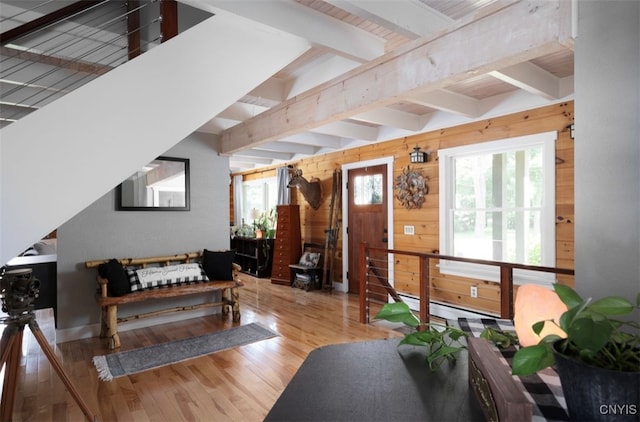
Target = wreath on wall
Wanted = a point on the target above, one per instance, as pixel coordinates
(411, 188)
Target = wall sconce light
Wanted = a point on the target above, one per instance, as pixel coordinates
(418, 156)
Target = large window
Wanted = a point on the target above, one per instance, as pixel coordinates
(258, 196)
(497, 202)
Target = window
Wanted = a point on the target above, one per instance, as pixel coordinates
(497, 202)
(260, 195)
(367, 190)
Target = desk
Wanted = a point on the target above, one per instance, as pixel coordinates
(376, 381)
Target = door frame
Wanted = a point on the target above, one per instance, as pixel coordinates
(388, 161)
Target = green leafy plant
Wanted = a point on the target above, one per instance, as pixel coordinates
(442, 341)
(594, 335)
(266, 220)
(500, 338)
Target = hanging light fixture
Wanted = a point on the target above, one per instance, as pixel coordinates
(418, 156)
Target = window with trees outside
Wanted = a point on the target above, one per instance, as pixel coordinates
(259, 195)
(497, 202)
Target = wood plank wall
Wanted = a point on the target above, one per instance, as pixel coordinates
(446, 288)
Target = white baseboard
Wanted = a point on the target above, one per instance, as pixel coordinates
(93, 330)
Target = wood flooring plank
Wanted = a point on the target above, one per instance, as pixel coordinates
(239, 384)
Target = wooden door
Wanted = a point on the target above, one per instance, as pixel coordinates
(367, 221)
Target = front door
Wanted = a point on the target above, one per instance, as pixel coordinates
(367, 202)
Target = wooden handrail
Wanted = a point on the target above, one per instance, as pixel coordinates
(506, 279)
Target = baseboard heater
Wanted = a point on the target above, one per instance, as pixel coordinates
(446, 310)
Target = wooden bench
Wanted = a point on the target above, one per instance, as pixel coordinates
(109, 304)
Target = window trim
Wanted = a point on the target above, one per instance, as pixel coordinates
(548, 230)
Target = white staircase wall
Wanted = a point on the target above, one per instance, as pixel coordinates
(61, 158)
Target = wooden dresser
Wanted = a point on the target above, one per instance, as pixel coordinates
(288, 244)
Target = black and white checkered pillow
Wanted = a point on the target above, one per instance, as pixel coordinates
(137, 284)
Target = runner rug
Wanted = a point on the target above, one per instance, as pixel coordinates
(137, 360)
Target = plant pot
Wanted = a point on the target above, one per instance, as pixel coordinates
(596, 394)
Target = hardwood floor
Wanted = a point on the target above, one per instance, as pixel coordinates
(241, 384)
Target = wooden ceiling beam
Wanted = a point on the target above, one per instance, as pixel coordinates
(497, 36)
(348, 130)
(531, 78)
(452, 102)
(392, 118)
(294, 18)
(411, 18)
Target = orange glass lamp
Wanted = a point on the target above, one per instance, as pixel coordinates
(536, 303)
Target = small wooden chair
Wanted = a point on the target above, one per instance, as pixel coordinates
(307, 273)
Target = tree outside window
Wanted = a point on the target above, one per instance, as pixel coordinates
(497, 202)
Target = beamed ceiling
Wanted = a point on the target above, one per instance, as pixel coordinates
(382, 69)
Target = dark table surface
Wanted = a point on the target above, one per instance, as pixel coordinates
(376, 381)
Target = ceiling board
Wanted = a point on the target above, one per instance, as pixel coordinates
(273, 91)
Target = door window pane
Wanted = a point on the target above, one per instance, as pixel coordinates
(367, 190)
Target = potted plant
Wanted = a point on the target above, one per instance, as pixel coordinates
(265, 224)
(441, 341)
(598, 358)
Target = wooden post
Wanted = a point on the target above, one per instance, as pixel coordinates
(424, 288)
(169, 24)
(133, 28)
(506, 292)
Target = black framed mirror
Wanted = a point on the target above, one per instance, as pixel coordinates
(161, 185)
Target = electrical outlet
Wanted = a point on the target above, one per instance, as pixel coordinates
(474, 291)
(410, 230)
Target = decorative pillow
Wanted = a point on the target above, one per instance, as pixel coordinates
(118, 283)
(152, 277)
(218, 265)
(309, 259)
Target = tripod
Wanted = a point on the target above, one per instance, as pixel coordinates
(19, 290)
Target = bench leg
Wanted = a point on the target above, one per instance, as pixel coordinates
(112, 327)
(104, 323)
(226, 301)
(235, 300)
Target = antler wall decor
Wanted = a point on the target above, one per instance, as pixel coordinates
(311, 190)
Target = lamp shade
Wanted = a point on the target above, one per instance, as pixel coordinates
(536, 303)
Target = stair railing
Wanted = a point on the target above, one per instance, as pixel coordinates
(376, 278)
(50, 50)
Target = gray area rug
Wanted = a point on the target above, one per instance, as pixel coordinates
(125, 363)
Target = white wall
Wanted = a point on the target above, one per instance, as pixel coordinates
(607, 148)
(100, 232)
